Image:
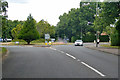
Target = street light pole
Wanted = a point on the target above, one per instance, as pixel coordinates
(81, 32)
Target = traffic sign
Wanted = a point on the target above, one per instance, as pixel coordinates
(47, 36)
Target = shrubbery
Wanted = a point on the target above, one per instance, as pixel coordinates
(115, 39)
(89, 38)
(19, 40)
(39, 41)
(104, 38)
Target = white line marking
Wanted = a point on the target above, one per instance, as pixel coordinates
(62, 52)
(78, 60)
(70, 56)
(53, 48)
(93, 69)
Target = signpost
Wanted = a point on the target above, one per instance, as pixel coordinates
(47, 36)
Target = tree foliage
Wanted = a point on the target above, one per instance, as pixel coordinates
(29, 31)
(44, 27)
(3, 16)
(15, 31)
(77, 22)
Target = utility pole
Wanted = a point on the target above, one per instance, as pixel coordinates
(97, 32)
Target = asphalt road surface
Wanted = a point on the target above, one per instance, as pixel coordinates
(60, 61)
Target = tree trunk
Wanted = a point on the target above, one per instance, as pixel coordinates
(28, 42)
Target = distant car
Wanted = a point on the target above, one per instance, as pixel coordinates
(78, 43)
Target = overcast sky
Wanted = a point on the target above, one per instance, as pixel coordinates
(49, 10)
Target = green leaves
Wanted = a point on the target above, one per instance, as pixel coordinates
(44, 27)
(29, 31)
(15, 31)
(71, 24)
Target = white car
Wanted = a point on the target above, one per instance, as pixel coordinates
(78, 43)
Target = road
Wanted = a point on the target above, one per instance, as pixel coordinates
(60, 61)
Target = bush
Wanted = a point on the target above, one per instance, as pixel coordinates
(104, 38)
(89, 38)
(38, 41)
(20, 40)
(115, 39)
(73, 39)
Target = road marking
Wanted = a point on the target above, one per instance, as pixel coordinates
(78, 60)
(53, 48)
(62, 52)
(93, 69)
(70, 56)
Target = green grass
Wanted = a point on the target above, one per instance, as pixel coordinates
(3, 51)
(109, 46)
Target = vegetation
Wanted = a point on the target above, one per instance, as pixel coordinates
(15, 31)
(81, 23)
(3, 16)
(29, 31)
(4, 50)
(44, 27)
(84, 22)
(109, 46)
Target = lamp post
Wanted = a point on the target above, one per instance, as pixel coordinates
(81, 33)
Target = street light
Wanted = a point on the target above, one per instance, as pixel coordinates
(81, 33)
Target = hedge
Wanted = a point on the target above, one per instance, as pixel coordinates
(104, 38)
(89, 38)
(115, 39)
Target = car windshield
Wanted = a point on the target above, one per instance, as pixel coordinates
(78, 40)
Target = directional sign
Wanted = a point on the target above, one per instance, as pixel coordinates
(47, 36)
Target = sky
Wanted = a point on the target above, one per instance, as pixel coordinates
(49, 10)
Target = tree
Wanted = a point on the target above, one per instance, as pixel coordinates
(3, 16)
(15, 31)
(29, 31)
(44, 27)
(111, 15)
(75, 24)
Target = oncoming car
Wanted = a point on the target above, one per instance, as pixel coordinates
(78, 43)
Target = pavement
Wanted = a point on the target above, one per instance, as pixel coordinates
(104, 49)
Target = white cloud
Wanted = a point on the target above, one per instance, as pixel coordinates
(49, 10)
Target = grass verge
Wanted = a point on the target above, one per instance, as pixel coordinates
(4, 51)
(109, 46)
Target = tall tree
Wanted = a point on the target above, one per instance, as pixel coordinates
(44, 27)
(29, 31)
(75, 23)
(3, 16)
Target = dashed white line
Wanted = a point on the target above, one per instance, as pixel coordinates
(62, 52)
(95, 70)
(53, 48)
(70, 56)
(78, 60)
(101, 74)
